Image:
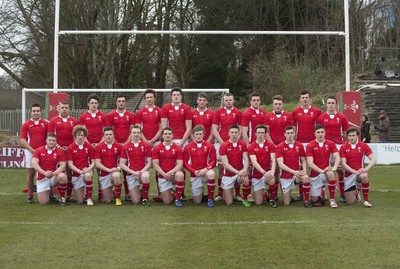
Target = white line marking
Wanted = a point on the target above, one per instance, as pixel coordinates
(237, 222)
(12, 193)
(27, 223)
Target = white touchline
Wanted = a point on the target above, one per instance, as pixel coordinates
(239, 222)
(27, 223)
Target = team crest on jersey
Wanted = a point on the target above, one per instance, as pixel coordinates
(297, 148)
(285, 118)
(312, 114)
(115, 150)
(55, 156)
(208, 116)
(326, 147)
(173, 151)
(99, 118)
(127, 117)
(42, 124)
(359, 149)
(86, 150)
(205, 148)
(182, 111)
(234, 115)
(71, 123)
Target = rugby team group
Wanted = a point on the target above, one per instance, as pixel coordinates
(254, 150)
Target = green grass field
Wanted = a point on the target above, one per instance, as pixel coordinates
(106, 236)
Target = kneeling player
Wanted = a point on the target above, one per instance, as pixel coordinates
(318, 154)
(290, 154)
(107, 156)
(167, 160)
(236, 163)
(80, 156)
(200, 159)
(263, 159)
(138, 156)
(352, 154)
(49, 163)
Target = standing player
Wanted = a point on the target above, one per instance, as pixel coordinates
(106, 160)
(290, 154)
(200, 159)
(136, 161)
(235, 160)
(94, 120)
(49, 163)
(80, 156)
(352, 154)
(263, 158)
(251, 118)
(203, 115)
(149, 119)
(167, 161)
(62, 126)
(318, 153)
(225, 117)
(121, 121)
(33, 136)
(277, 120)
(178, 116)
(336, 125)
(305, 117)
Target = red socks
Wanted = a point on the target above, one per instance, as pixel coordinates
(211, 188)
(365, 190)
(332, 188)
(145, 190)
(62, 189)
(179, 187)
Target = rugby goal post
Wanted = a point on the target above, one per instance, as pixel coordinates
(78, 104)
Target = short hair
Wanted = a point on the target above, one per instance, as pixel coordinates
(36, 105)
(278, 97)
(228, 94)
(304, 93)
(51, 135)
(64, 103)
(289, 127)
(353, 129)
(135, 127)
(176, 89)
(149, 90)
(261, 126)
(93, 96)
(254, 94)
(197, 128)
(202, 95)
(120, 96)
(106, 129)
(319, 126)
(167, 129)
(330, 97)
(234, 127)
(79, 128)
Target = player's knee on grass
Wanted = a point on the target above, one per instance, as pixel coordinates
(228, 198)
(350, 195)
(259, 197)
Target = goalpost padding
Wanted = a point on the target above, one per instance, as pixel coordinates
(78, 98)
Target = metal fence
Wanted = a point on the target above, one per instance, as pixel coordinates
(10, 120)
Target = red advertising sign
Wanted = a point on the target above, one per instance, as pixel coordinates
(54, 100)
(350, 106)
(12, 157)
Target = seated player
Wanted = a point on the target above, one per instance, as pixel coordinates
(136, 161)
(49, 162)
(200, 159)
(235, 160)
(80, 156)
(263, 158)
(107, 157)
(352, 154)
(318, 153)
(167, 161)
(289, 155)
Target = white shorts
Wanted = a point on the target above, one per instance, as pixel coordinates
(216, 146)
(78, 182)
(350, 181)
(317, 183)
(164, 184)
(197, 184)
(332, 159)
(228, 182)
(27, 161)
(287, 184)
(105, 181)
(44, 184)
(178, 141)
(132, 183)
(258, 183)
